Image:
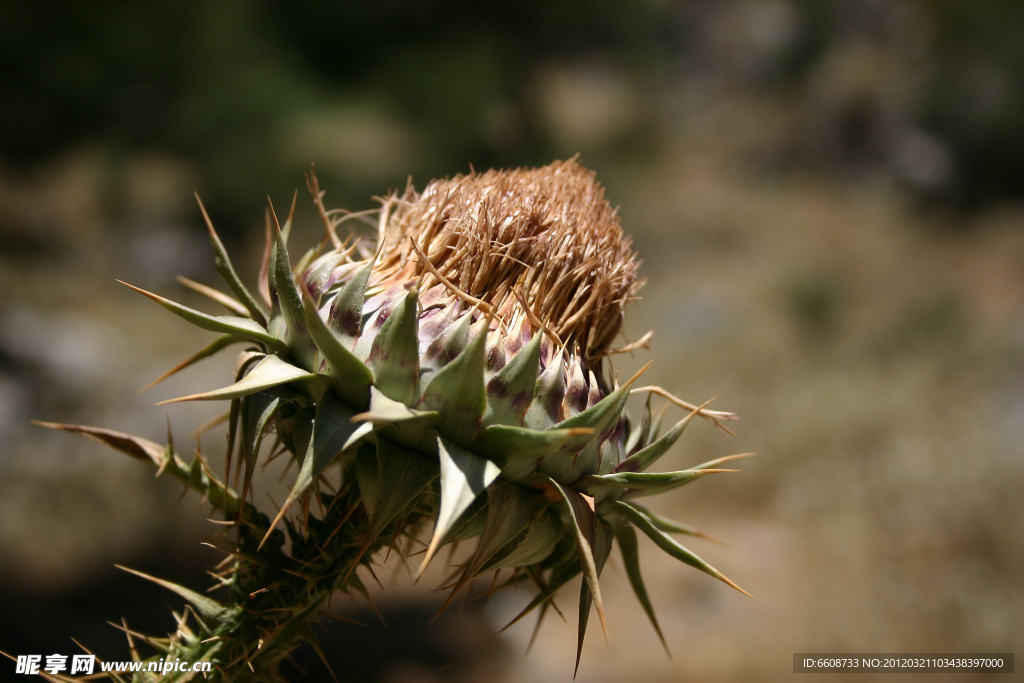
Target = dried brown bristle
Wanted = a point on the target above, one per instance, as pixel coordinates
(547, 232)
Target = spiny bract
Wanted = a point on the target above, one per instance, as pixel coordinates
(456, 374)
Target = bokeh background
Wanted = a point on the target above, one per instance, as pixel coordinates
(827, 195)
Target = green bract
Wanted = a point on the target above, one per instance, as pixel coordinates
(455, 375)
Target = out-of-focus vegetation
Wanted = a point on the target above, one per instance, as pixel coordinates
(247, 90)
(827, 196)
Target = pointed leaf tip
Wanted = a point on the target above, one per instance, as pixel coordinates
(565, 464)
(631, 558)
(464, 476)
(510, 391)
(721, 461)
(210, 349)
(207, 607)
(334, 433)
(346, 312)
(458, 393)
(544, 409)
(648, 455)
(352, 379)
(670, 545)
(602, 546)
(227, 271)
(271, 371)
(256, 412)
(560, 576)
(510, 510)
(671, 526)
(519, 450)
(216, 295)
(394, 353)
(641, 483)
(282, 280)
(240, 327)
(137, 447)
(584, 520)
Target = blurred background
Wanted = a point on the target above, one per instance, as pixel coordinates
(828, 196)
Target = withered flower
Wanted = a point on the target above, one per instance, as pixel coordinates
(457, 372)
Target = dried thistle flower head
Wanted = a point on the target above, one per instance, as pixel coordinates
(451, 374)
(547, 234)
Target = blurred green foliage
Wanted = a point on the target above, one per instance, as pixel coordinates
(220, 82)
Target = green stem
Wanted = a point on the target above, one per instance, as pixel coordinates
(274, 596)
